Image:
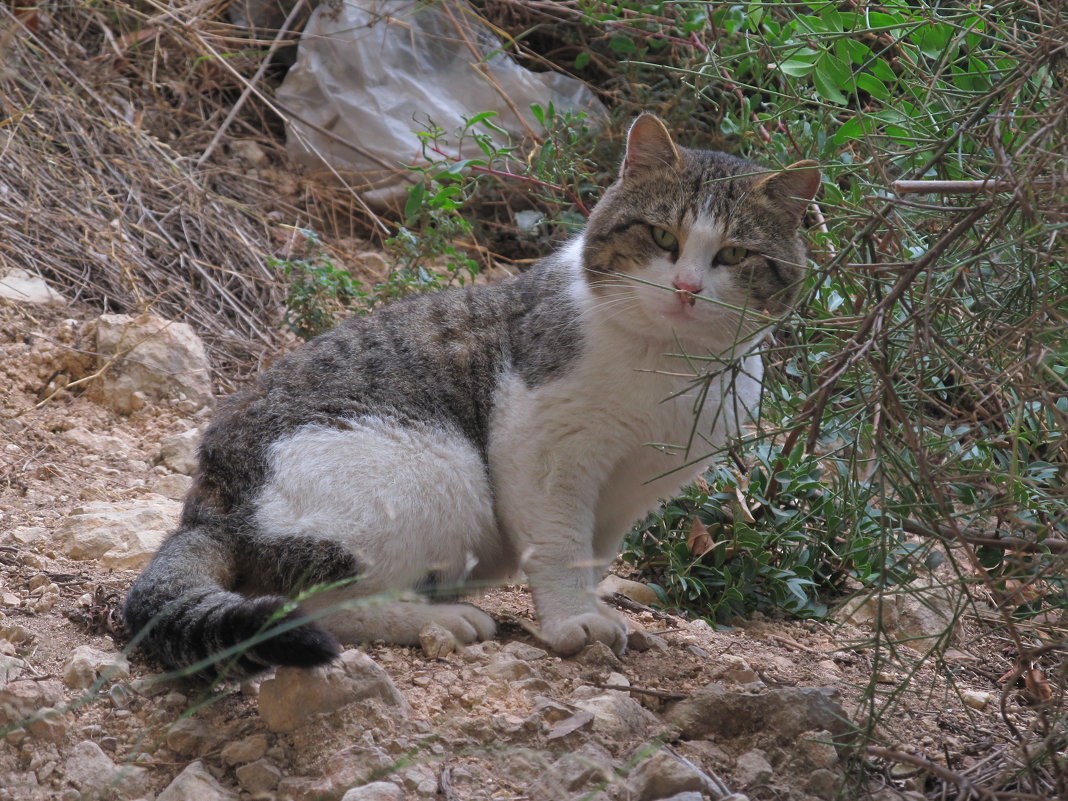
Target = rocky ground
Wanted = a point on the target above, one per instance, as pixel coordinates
(91, 477)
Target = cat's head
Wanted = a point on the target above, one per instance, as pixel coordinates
(695, 244)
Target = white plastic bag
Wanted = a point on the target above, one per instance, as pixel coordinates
(370, 72)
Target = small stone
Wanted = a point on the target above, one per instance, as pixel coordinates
(524, 652)
(505, 668)
(634, 590)
(617, 679)
(599, 655)
(89, 769)
(976, 699)
(48, 725)
(246, 750)
(86, 664)
(196, 784)
(190, 737)
(249, 151)
(10, 668)
(664, 774)
(375, 791)
(16, 633)
(752, 768)
(179, 451)
(173, 485)
(571, 772)
(437, 641)
(617, 715)
(824, 784)
(639, 641)
(121, 535)
(260, 776)
(294, 694)
(22, 699)
(21, 286)
(715, 713)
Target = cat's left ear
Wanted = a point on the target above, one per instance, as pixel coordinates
(649, 145)
(793, 188)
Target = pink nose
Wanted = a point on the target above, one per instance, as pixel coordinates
(686, 286)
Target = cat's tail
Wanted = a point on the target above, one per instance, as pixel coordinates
(181, 609)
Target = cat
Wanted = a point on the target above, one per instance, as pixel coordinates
(462, 436)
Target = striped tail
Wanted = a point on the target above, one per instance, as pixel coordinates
(179, 608)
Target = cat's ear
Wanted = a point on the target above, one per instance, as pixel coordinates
(793, 188)
(649, 145)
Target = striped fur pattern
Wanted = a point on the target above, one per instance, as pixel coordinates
(454, 439)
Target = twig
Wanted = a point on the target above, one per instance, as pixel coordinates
(667, 696)
(963, 187)
(967, 789)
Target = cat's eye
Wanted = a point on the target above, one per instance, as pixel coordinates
(731, 255)
(664, 238)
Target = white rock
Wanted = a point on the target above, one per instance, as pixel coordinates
(196, 784)
(179, 451)
(23, 287)
(86, 664)
(375, 791)
(976, 699)
(93, 442)
(752, 768)
(437, 641)
(120, 535)
(919, 613)
(190, 737)
(618, 716)
(635, 590)
(151, 356)
(664, 774)
(294, 694)
(174, 486)
(89, 769)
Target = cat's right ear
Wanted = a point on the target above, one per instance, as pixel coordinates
(649, 145)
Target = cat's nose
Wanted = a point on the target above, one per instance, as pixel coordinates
(686, 285)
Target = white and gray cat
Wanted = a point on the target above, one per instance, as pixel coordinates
(460, 437)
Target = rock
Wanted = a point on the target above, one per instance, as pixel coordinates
(375, 791)
(688, 796)
(294, 694)
(91, 770)
(121, 535)
(664, 774)
(174, 486)
(975, 699)
(506, 668)
(196, 784)
(592, 763)
(752, 768)
(101, 444)
(190, 737)
(599, 655)
(258, 777)
(437, 641)
(524, 652)
(150, 356)
(824, 784)
(787, 712)
(179, 451)
(10, 668)
(245, 750)
(919, 613)
(48, 724)
(20, 700)
(635, 590)
(618, 716)
(86, 664)
(814, 751)
(16, 633)
(24, 287)
(639, 640)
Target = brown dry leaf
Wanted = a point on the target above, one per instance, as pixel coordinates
(701, 484)
(743, 506)
(699, 541)
(1036, 684)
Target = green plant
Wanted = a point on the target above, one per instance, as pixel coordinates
(317, 291)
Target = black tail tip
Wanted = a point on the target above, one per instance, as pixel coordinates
(306, 646)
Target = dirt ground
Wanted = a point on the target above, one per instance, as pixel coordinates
(473, 729)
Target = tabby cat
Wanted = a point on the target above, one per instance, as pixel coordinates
(459, 437)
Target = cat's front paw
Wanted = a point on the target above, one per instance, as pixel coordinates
(570, 635)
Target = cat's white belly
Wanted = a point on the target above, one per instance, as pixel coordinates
(407, 502)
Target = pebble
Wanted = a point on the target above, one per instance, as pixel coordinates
(663, 774)
(976, 699)
(196, 784)
(87, 664)
(258, 777)
(246, 750)
(752, 768)
(190, 737)
(375, 791)
(437, 641)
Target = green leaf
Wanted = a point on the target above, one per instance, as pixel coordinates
(623, 45)
(582, 59)
(416, 193)
(873, 86)
(795, 67)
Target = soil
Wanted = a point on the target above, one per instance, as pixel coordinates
(470, 734)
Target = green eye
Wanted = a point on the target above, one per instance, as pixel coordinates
(664, 238)
(731, 255)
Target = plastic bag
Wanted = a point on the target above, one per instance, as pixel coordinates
(370, 72)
